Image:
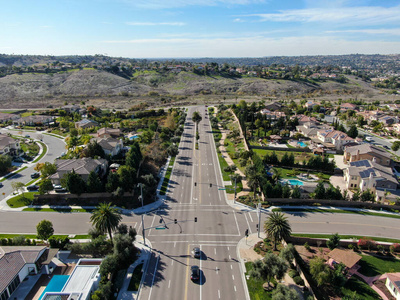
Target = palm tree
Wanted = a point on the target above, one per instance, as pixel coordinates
(253, 178)
(277, 227)
(106, 218)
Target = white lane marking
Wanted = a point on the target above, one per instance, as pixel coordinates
(233, 277)
(229, 256)
(231, 267)
(169, 284)
(216, 270)
(248, 225)
(215, 251)
(234, 287)
(228, 248)
(250, 217)
(172, 262)
(219, 294)
(154, 276)
(201, 277)
(237, 224)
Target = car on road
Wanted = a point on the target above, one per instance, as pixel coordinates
(32, 187)
(386, 147)
(196, 252)
(35, 175)
(1, 184)
(27, 136)
(195, 273)
(18, 160)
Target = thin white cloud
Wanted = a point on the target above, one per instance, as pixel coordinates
(354, 15)
(160, 4)
(257, 46)
(155, 24)
(238, 20)
(392, 31)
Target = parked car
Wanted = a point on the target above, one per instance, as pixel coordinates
(32, 187)
(59, 189)
(1, 184)
(18, 159)
(195, 273)
(35, 175)
(27, 136)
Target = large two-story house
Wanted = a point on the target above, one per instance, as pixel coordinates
(367, 151)
(8, 145)
(337, 138)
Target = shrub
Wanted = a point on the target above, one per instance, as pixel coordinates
(293, 273)
(366, 244)
(396, 247)
(307, 246)
(3, 242)
(298, 280)
(58, 242)
(19, 240)
(381, 248)
(351, 246)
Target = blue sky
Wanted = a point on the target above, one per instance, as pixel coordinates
(199, 28)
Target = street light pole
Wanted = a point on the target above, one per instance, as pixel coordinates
(234, 198)
(259, 218)
(141, 198)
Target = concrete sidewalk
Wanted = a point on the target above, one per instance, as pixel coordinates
(145, 254)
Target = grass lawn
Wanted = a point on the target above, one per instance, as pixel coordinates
(230, 189)
(255, 287)
(43, 153)
(21, 200)
(372, 266)
(81, 237)
(223, 164)
(345, 237)
(339, 211)
(136, 278)
(28, 236)
(363, 290)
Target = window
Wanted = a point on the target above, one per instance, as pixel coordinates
(351, 185)
(4, 295)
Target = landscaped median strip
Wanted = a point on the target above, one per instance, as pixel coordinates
(33, 236)
(339, 211)
(168, 173)
(345, 237)
(66, 209)
(43, 152)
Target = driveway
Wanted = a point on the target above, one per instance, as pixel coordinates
(337, 180)
(339, 162)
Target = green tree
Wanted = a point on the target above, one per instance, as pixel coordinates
(320, 191)
(287, 253)
(173, 150)
(127, 178)
(44, 230)
(396, 145)
(296, 194)
(277, 227)
(5, 163)
(112, 182)
(353, 132)
(333, 241)
(286, 191)
(253, 178)
(93, 150)
(196, 117)
(45, 186)
(271, 266)
(106, 218)
(18, 186)
(320, 271)
(93, 184)
(283, 292)
(74, 183)
(47, 169)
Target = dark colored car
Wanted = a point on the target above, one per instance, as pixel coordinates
(32, 187)
(195, 273)
(35, 175)
(196, 252)
(18, 159)
(59, 189)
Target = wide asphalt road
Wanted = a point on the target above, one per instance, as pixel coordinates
(55, 147)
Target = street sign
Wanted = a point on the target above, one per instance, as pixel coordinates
(222, 189)
(159, 228)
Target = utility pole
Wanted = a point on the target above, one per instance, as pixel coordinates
(141, 198)
(259, 218)
(234, 198)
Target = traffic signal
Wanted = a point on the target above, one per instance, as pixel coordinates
(257, 226)
(246, 233)
(160, 221)
(195, 184)
(176, 221)
(210, 184)
(195, 219)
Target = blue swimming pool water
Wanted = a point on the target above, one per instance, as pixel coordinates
(301, 144)
(295, 182)
(56, 284)
(134, 137)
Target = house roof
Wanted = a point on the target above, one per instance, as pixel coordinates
(5, 140)
(81, 166)
(13, 258)
(348, 257)
(85, 122)
(110, 131)
(348, 105)
(367, 148)
(107, 143)
(395, 279)
(365, 168)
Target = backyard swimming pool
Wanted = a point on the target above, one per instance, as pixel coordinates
(301, 144)
(56, 284)
(134, 137)
(295, 182)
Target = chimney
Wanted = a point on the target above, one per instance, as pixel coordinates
(374, 159)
